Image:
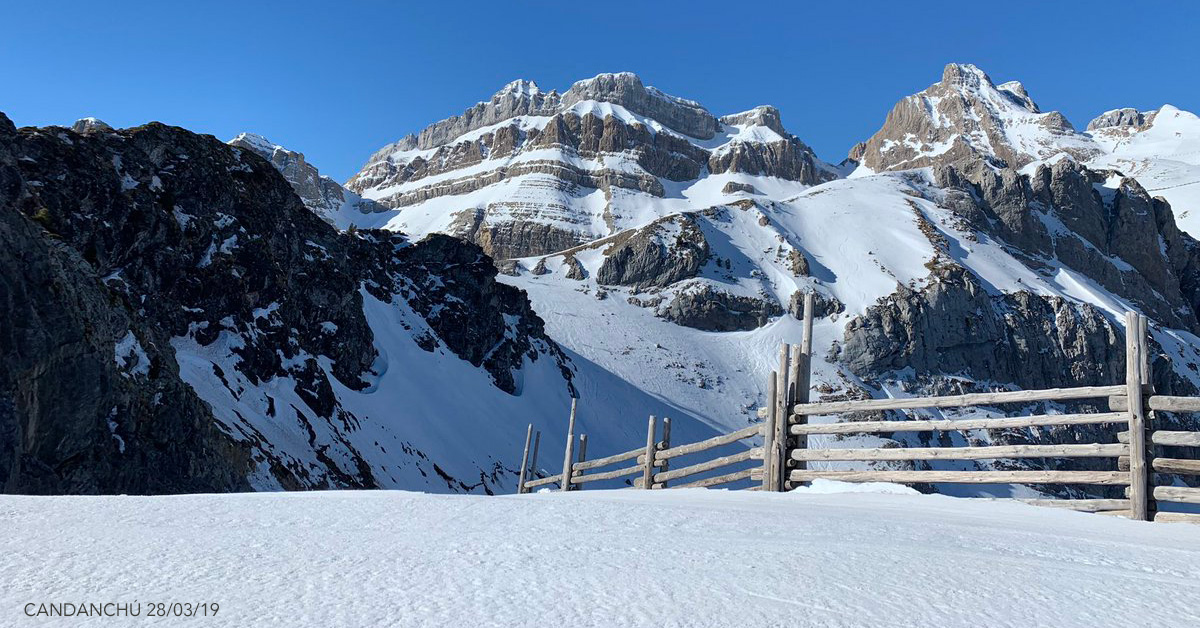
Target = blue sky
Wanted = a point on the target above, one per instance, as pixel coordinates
(338, 80)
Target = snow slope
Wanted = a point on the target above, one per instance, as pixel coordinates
(599, 558)
(1163, 155)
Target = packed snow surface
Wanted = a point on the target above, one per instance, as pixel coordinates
(686, 557)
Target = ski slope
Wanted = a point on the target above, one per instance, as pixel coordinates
(686, 557)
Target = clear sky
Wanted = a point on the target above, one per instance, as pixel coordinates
(337, 80)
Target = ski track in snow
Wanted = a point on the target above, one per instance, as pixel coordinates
(686, 557)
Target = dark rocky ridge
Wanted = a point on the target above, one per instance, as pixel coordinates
(163, 234)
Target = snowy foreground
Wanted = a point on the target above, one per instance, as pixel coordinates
(598, 558)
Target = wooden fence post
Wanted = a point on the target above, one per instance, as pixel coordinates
(648, 467)
(537, 443)
(566, 473)
(524, 460)
(768, 483)
(1138, 476)
(803, 378)
(665, 443)
(583, 453)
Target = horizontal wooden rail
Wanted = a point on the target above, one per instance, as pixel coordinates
(749, 454)
(966, 477)
(544, 481)
(1165, 403)
(607, 475)
(716, 441)
(951, 401)
(1178, 466)
(964, 453)
(1161, 403)
(613, 459)
(1180, 494)
(876, 427)
(1177, 517)
(744, 474)
(1168, 438)
(1084, 505)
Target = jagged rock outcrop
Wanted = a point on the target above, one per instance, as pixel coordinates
(666, 251)
(125, 250)
(965, 119)
(324, 196)
(1126, 117)
(954, 326)
(1104, 226)
(626, 89)
(707, 308)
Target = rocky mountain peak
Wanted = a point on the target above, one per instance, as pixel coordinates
(763, 115)
(321, 194)
(1124, 117)
(966, 118)
(627, 90)
(90, 125)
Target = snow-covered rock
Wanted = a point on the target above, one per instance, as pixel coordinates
(325, 197)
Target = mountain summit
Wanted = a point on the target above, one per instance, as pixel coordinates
(966, 118)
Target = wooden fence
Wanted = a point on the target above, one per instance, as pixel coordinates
(778, 456)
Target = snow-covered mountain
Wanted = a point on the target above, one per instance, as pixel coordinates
(623, 245)
(966, 118)
(977, 244)
(181, 322)
(1161, 149)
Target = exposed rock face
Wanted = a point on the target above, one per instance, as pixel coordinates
(89, 125)
(966, 119)
(733, 187)
(1127, 117)
(707, 308)
(126, 249)
(667, 251)
(90, 401)
(626, 89)
(1100, 224)
(518, 98)
(550, 154)
(955, 326)
(324, 196)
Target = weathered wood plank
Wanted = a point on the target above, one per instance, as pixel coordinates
(719, 479)
(525, 460)
(964, 453)
(967, 477)
(648, 464)
(607, 475)
(1160, 403)
(874, 427)
(664, 444)
(607, 460)
(1083, 505)
(1176, 465)
(1139, 472)
(1168, 437)
(1165, 403)
(750, 454)
(716, 441)
(1177, 517)
(553, 479)
(567, 455)
(770, 466)
(1180, 494)
(951, 401)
